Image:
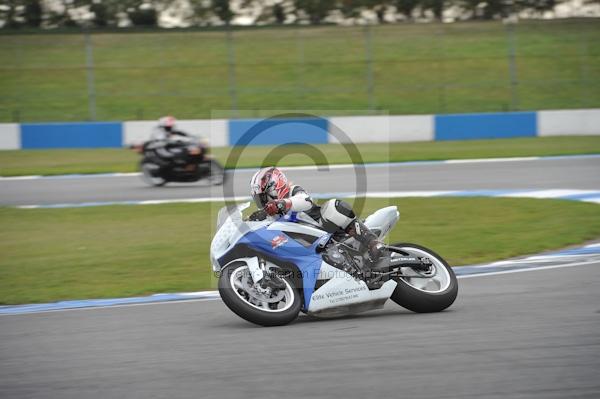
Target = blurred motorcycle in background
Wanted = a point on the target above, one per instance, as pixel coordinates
(185, 160)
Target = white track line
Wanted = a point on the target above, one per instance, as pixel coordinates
(551, 193)
(482, 160)
(543, 194)
(591, 262)
(124, 305)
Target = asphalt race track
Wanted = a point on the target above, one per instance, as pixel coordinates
(532, 334)
(551, 173)
(521, 335)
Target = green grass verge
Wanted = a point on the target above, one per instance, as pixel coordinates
(117, 251)
(52, 162)
(415, 68)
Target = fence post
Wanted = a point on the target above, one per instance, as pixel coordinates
(89, 67)
(584, 59)
(512, 66)
(369, 64)
(231, 71)
(441, 70)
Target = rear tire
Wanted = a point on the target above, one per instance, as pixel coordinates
(422, 300)
(232, 297)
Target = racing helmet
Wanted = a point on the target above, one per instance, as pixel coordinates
(167, 123)
(269, 184)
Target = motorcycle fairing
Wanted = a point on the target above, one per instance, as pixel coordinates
(268, 242)
(343, 294)
(270, 239)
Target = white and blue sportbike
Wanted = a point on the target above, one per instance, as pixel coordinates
(272, 269)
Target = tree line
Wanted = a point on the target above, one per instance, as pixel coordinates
(117, 13)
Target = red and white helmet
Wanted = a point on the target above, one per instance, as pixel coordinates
(167, 122)
(269, 184)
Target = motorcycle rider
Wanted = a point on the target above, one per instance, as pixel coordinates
(166, 138)
(273, 194)
(166, 129)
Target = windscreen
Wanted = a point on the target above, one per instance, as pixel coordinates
(232, 211)
(222, 216)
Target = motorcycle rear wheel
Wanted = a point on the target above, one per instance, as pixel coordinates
(424, 295)
(238, 296)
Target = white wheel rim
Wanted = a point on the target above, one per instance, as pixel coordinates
(253, 298)
(438, 283)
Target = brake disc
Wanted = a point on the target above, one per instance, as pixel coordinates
(262, 294)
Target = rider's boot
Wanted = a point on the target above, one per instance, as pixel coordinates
(361, 233)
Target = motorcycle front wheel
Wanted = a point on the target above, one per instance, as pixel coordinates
(149, 174)
(217, 173)
(425, 292)
(264, 307)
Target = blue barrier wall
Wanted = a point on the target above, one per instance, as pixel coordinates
(485, 126)
(314, 130)
(71, 135)
(278, 131)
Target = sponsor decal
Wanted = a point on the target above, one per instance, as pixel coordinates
(340, 295)
(278, 241)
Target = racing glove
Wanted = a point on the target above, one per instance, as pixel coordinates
(277, 207)
(258, 215)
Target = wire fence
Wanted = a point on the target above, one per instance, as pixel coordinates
(397, 69)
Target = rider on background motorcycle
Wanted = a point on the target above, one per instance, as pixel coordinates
(166, 129)
(166, 138)
(273, 194)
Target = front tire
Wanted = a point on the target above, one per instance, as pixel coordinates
(149, 174)
(425, 295)
(217, 173)
(237, 294)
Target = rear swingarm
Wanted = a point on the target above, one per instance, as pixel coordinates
(404, 260)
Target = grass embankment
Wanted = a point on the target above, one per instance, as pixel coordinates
(415, 68)
(53, 162)
(55, 254)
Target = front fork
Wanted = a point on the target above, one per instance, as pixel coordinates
(262, 277)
